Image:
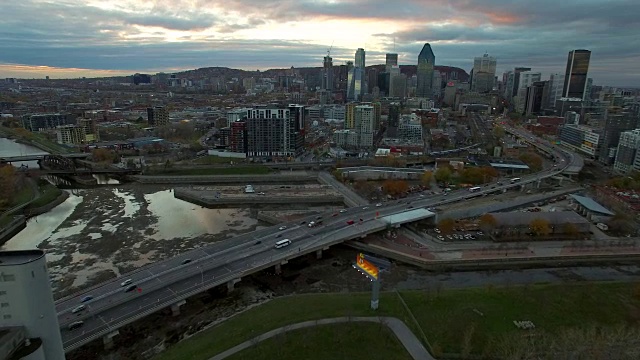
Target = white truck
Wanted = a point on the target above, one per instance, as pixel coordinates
(249, 189)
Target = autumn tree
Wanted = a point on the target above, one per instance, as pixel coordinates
(540, 226)
(446, 225)
(7, 185)
(498, 132)
(103, 155)
(395, 187)
(443, 174)
(487, 222)
(571, 230)
(426, 178)
(533, 160)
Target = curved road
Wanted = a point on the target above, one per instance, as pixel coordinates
(408, 339)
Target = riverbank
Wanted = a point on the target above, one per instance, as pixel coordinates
(39, 141)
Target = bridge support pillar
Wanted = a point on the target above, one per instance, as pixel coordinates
(538, 183)
(278, 269)
(175, 308)
(107, 340)
(319, 254)
(231, 284)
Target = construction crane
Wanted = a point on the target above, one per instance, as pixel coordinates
(329, 50)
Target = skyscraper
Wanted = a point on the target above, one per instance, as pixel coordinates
(327, 73)
(391, 60)
(575, 77)
(426, 60)
(356, 86)
(484, 72)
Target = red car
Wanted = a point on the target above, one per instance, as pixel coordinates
(350, 222)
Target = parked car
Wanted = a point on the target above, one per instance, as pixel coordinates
(126, 282)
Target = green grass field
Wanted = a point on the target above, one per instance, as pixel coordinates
(22, 196)
(454, 321)
(212, 160)
(237, 170)
(337, 341)
(48, 193)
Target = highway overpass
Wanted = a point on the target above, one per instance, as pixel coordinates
(169, 282)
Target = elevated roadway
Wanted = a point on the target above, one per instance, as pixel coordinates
(168, 282)
(10, 159)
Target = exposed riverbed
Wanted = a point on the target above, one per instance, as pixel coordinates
(104, 232)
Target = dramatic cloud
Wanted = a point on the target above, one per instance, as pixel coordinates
(62, 38)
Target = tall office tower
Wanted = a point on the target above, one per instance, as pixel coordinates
(508, 78)
(28, 311)
(327, 74)
(356, 89)
(484, 72)
(437, 84)
(397, 83)
(537, 96)
(391, 60)
(614, 125)
(426, 61)
(372, 80)
(575, 77)
(364, 121)
(393, 120)
(555, 92)
(587, 90)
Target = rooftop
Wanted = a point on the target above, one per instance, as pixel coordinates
(591, 205)
(19, 257)
(553, 217)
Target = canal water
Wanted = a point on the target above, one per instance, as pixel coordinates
(115, 227)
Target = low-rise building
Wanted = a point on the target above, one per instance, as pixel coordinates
(580, 137)
(627, 154)
(561, 224)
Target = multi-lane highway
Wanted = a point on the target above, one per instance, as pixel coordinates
(168, 281)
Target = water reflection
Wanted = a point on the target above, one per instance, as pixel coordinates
(177, 218)
(42, 226)
(9, 147)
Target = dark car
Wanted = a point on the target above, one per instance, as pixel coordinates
(259, 242)
(130, 288)
(76, 324)
(186, 261)
(86, 298)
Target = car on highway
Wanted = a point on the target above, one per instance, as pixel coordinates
(86, 298)
(74, 325)
(334, 215)
(282, 228)
(186, 261)
(343, 211)
(350, 222)
(131, 287)
(365, 208)
(378, 204)
(126, 282)
(311, 224)
(77, 309)
(282, 243)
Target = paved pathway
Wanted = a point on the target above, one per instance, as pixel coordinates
(399, 328)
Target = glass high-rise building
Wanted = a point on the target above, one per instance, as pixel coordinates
(575, 77)
(391, 60)
(484, 73)
(426, 61)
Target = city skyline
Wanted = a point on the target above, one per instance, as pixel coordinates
(120, 37)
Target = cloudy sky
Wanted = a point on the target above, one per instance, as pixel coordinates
(71, 38)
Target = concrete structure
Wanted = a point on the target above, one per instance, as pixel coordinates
(365, 125)
(484, 73)
(627, 154)
(327, 74)
(614, 125)
(556, 82)
(426, 62)
(575, 76)
(90, 127)
(345, 138)
(273, 131)
(26, 299)
(157, 116)
(40, 122)
(70, 134)
(580, 137)
(237, 114)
